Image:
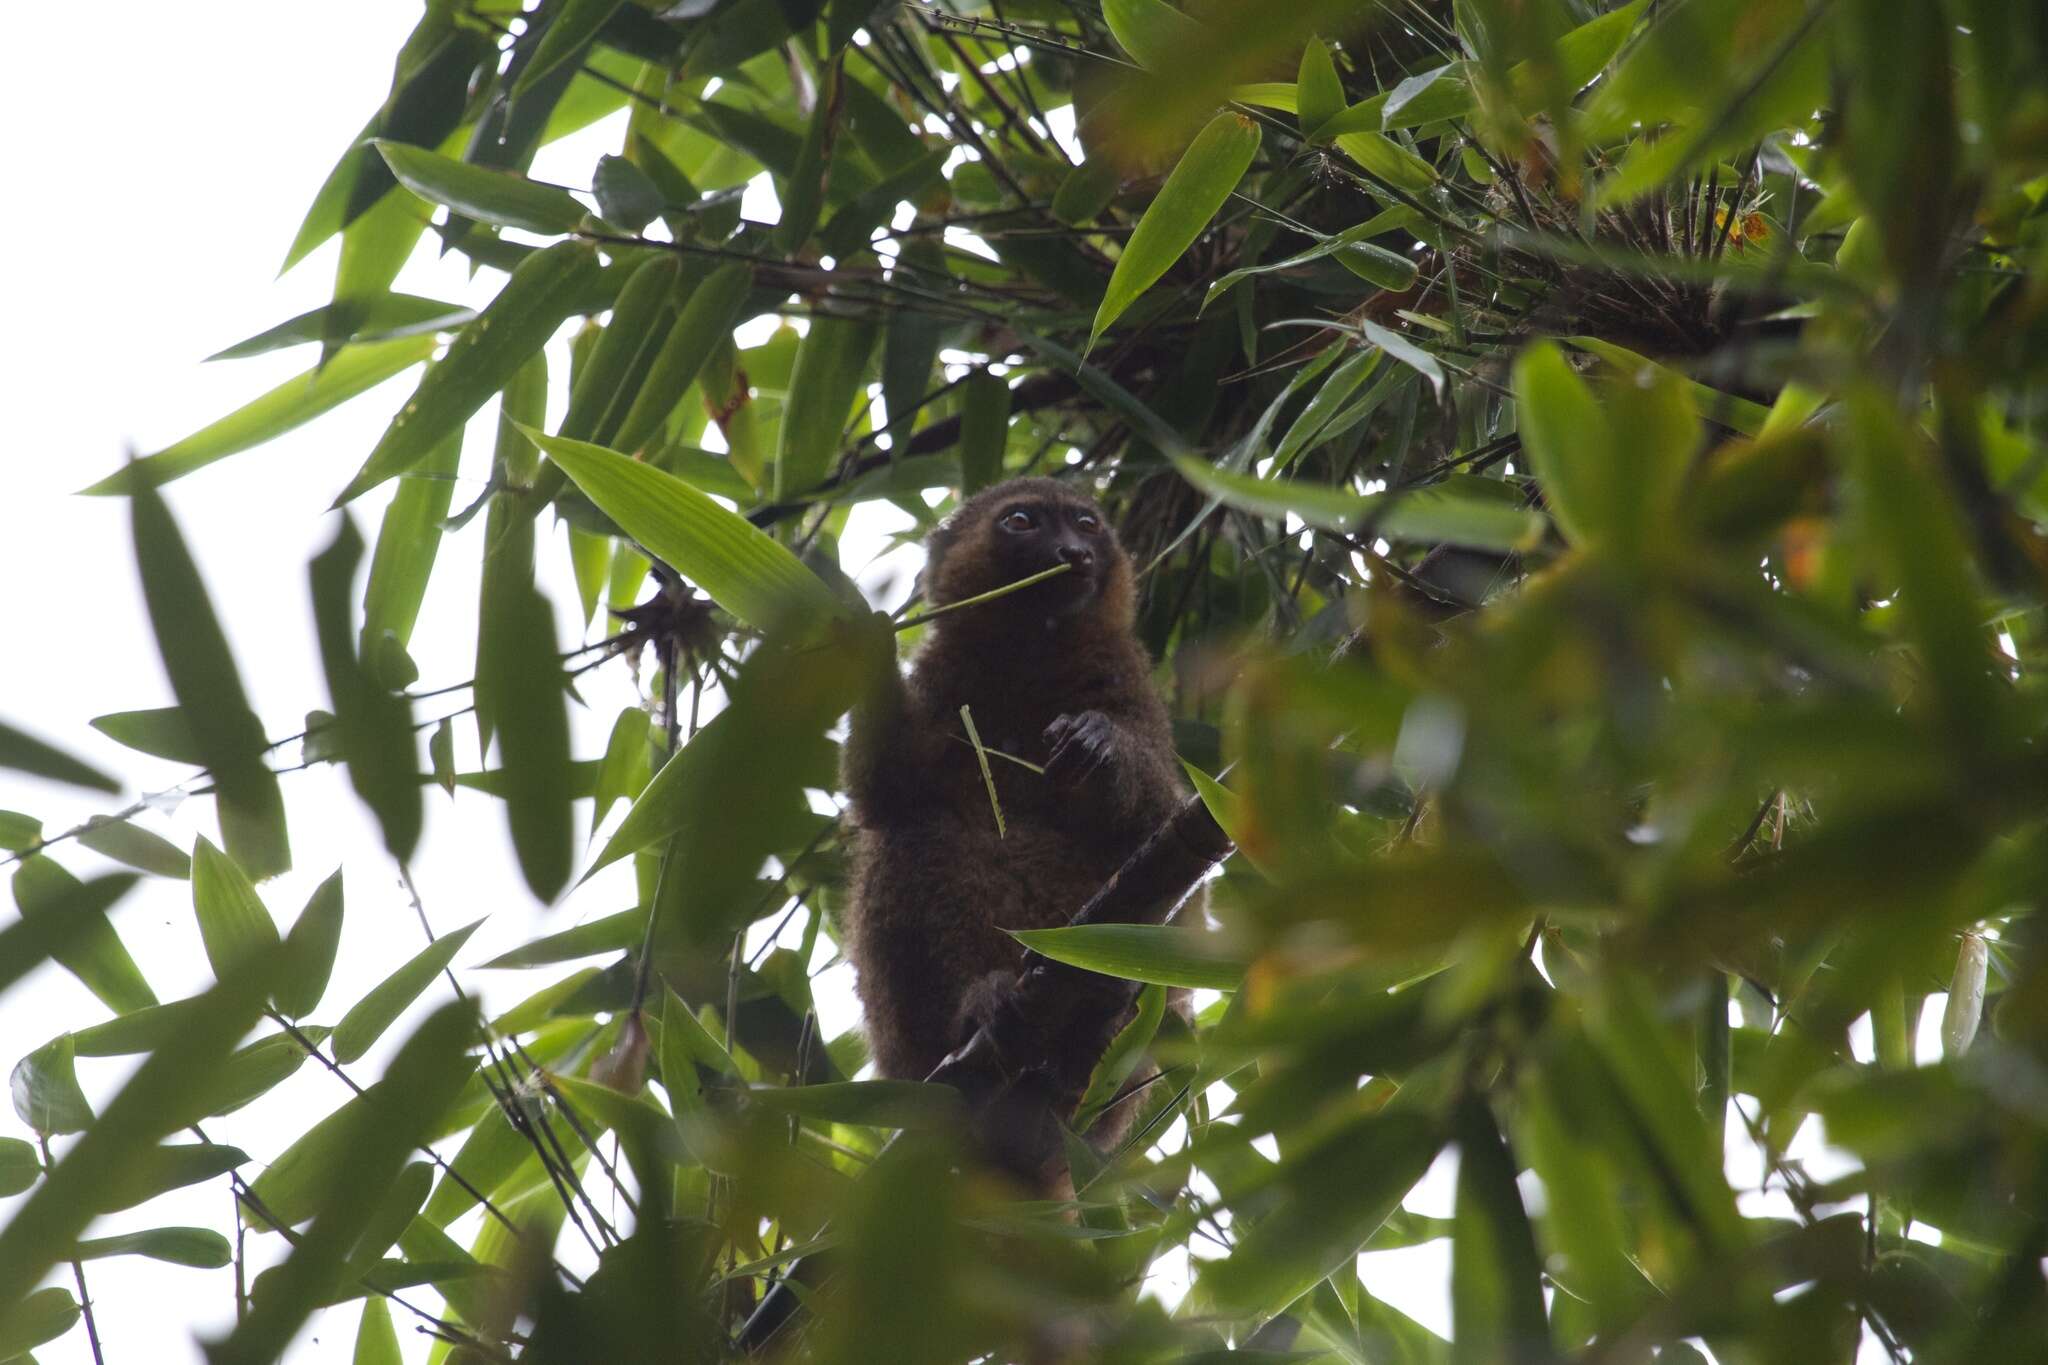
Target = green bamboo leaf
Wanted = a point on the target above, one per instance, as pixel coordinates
(1496, 1277)
(352, 370)
(126, 842)
(1123, 1054)
(1319, 95)
(1739, 413)
(395, 1116)
(1479, 513)
(44, 1085)
(737, 565)
(20, 1167)
(831, 363)
(803, 196)
(984, 430)
(575, 24)
(707, 317)
(367, 1019)
(1584, 1220)
(309, 949)
(160, 731)
(1162, 954)
(490, 1154)
(89, 949)
(408, 539)
(628, 762)
(19, 832)
(41, 1317)
(508, 543)
(165, 1094)
(171, 1166)
(1388, 269)
(1152, 31)
(202, 671)
(1388, 160)
(1430, 97)
(387, 317)
(372, 726)
(233, 922)
(138, 1030)
(624, 349)
(533, 736)
(200, 1248)
(1335, 1196)
(254, 1071)
(545, 289)
(25, 753)
(489, 196)
(876, 1104)
(1198, 186)
(1086, 191)
(1568, 441)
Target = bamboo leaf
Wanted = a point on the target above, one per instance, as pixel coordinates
(45, 1089)
(878, 1104)
(309, 949)
(707, 318)
(41, 1317)
(575, 24)
(25, 753)
(1162, 954)
(1198, 186)
(351, 371)
(227, 735)
(1568, 441)
(200, 1248)
(367, 1019)
(233, 922)
(489, 196)
(74, 913)
(127, 842)
(1319, 95)
(20, 1167)
(830, 366)
(1150, 30)
(1496, 1278)
(533, 737)
(160, 731)
(1481, 514)
(736, 565)
(545, 289)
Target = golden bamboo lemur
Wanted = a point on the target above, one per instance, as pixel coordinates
(1052, 674)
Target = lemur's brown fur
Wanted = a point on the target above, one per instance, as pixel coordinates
(1052, 674)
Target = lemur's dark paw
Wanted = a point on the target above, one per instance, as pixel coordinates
(1081, 745)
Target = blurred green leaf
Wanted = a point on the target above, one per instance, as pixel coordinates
(1496, 1279)
(127, 842)
(575, 24)
(373, 726)
(20, 1167)
(74, 915)
(161, 1097)
(162, 731)
(200, 1248)
(1148, 29)
(882, 1104)
(194, 649)
(533, 736)
(309, 948)
(41, 1317)
(395, 1115)
(25, 753)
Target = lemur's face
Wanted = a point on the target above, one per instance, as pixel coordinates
(1020, 528)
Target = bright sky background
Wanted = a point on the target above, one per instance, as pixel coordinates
(148, 225)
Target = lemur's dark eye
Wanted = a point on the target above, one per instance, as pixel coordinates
(1017, 519)
(1088, 522)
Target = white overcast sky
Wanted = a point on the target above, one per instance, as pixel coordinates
(162, 159)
